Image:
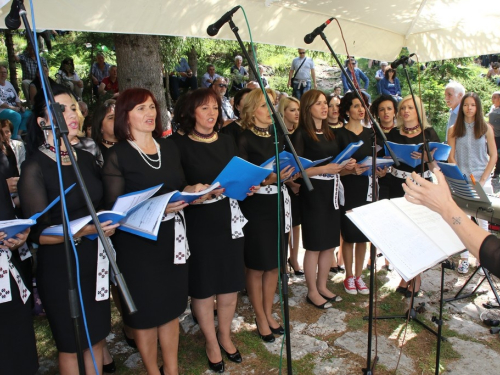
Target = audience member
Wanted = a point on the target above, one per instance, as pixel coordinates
(10, 105)
(352, 71)
(379, 76)
(181, 77)
(110, 84)
(220, 87)
(99, 70)
(494, 71)
(28, 62)
(453, 94)
(209, 77)
(252, 85)
(238, 75)
(390, 84)
(494, 121)
(301, 74)
(36, 85)
(337, 91)
(17, 147)
(68, 77)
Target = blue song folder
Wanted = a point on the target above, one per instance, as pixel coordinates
(381, 162)
(287, 159)
(346, 154)
(239, 176)
(403, 152)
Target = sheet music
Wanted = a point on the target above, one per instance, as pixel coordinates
(126, 202)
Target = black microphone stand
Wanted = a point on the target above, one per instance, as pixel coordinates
(369, 365)
(307, 182)
(62, 131)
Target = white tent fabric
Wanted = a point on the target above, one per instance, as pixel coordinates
(434, 29)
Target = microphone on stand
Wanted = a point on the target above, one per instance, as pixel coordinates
(13, 19)
(214, 28)
(309, 38)
(401, 60)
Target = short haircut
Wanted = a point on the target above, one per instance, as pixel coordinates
(379, 100)
(195, 99)
(238, 57)
(126, 102)
(457, 88)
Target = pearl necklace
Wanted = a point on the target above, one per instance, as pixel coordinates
(145, 157)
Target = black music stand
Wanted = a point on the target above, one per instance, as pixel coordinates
(470, 196)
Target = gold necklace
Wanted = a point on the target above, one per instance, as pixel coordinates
(336, 125)
(260, 132)
(413, 130)
(205, 138)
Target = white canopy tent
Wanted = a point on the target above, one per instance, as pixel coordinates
(434, 29)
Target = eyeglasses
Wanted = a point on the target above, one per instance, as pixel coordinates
(302, 53)
(222, 85)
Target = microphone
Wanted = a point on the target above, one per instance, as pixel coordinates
(214, 28)
(309, 38)
(401, 60)
(13, 19)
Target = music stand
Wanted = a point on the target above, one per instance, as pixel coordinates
(471, 197)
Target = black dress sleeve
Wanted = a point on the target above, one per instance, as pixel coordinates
(297, 139)
(113, 179)
(431, 135)
(33, 196)
(6, 207)
(489, 254)
(243, 147)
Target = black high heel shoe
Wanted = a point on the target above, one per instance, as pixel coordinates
(130, 342)
(217, 367)
(277, 331)
(110, 368)
(297, 273)
(266, 338)
(234, 357)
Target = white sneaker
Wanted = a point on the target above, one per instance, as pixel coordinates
(463, 267)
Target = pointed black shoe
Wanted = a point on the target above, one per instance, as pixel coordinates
(234, 357)
(277, 331)
(217, 367)
(296, 272)
(266, 338)
(110, 368)
(130, 342)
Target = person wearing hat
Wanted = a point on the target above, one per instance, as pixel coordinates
(350, 67)
(379, 76)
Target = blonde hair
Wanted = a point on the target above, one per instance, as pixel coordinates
(250, 104)
(285, 102)
(81, 119)
(420, 109)
(271, 93)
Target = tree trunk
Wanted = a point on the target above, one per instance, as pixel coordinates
(252, 59)
(139, 65)
(193, 60)
(9, 43)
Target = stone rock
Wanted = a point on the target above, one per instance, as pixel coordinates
(467, 328)
(46, 366)
(301, 345)
(476, 358)
(334, 366)
(388, 353)
(134, 361)
(332, 321)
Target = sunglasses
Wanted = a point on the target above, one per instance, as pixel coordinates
(222, 85)
(302, 53)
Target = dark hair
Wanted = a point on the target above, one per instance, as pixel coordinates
(196, 99)
(386, 73)
(346, 103)
(480, 126)
(305, 119)
(35, 134)
(68, 60)
(237, 99)
(379, 100)
(126, 102)
(330, 97)
(97, 118)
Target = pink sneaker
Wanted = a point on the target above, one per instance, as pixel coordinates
(350, 285)
(361, 286)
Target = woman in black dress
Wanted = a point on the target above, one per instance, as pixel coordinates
(17, 337)
(320, 208)
(257, 145)
(334, 121)
(408, 131)
(158, 283)
(103, 121)
(216, 265)
(38, 186)
(356, 189)
(289, 108)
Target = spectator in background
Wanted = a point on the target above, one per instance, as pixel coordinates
(99, 70)
(36, 85)
(301, 74)
(390, 84)
(453, 94)
(379, 76)
(494, 71)
(10, 105)
(7, 128)
(252, 85)
(28, 62)
(109, 85)
(238, 75)
(352, 71)
(181, 77)
(220, 87)
(264, 79)
(337, 91)
(494, 121)
(209, 77)
(68, 77)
